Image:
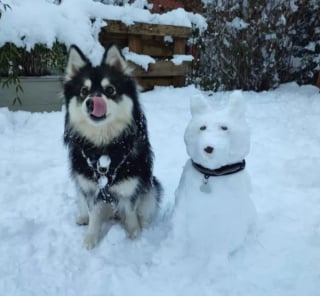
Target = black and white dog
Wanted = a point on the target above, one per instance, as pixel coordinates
(109, 150)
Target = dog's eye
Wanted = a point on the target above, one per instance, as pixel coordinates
(203, 127)
(224, 128)
(110, 90)
(84, 91)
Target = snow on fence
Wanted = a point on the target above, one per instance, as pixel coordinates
(162, 46)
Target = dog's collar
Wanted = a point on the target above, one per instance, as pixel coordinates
(222, 171)
(105, 176)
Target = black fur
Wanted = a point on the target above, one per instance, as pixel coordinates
(132, 143)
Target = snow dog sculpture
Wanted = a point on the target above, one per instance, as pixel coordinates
(213, 210)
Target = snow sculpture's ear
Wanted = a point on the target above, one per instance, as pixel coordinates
(237, 106)
(76, 61)
(113, 57)
(198, 105)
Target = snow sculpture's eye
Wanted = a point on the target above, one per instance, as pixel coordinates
(203, 127)
(110, 90)
(84, 91)
(224, 127)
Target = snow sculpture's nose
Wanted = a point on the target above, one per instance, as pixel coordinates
(208, 149)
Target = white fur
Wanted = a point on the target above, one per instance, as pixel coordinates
(134, 218)
(105, 82)
(114, 58)
(219, 219)
(147, 208)
(83, 205)
(119, 117)
(97, 215)
(87, 83)
(125, 188)
(75, 62)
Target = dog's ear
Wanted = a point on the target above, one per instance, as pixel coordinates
(237, 106)
(76, 61)
(198, 105)
(113, 58)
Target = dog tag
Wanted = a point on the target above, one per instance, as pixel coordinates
(103, 164)
(102, 182)
(205, 187)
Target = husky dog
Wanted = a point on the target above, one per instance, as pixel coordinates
(109, 150)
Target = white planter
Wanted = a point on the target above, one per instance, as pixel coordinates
(39, 94)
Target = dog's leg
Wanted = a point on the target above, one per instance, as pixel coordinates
(83, 218)
(147, 208)
(130, 220)
(125, 190)
(98, 213)
(85, 187)
(148, 204)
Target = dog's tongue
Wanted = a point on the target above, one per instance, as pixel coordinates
(99, 107)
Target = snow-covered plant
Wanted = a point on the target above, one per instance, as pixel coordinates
(3, 7)
(258, 44)
(7, 63)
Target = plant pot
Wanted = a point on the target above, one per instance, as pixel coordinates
(39, 94)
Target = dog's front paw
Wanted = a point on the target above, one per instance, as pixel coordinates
(90, 240)
(134, 232)
(82, 220)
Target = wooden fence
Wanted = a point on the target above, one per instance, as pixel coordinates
(160, 42)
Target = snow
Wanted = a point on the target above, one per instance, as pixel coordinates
(41, 251)
(223, 202)
(78, 22)
(238, 23)
(311, 46)
(178, 59)
(142, 60)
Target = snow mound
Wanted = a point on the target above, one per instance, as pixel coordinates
(41, 251)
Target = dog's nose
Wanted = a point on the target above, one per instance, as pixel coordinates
(208, 149)
(89, 104)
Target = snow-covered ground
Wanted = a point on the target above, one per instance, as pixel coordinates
(41, 250)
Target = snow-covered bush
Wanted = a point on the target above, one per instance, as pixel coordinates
(3, 7)
(258, 44)
(9, 72)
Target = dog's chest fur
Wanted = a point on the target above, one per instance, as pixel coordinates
(129, 155)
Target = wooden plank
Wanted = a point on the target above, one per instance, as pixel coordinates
(155, 46)
(115, 27)
(161, 69)
(179, 81)
(157, 51)
(160, 30)
(147, 29)
(318, 81)
(179, 45)
(135, 43)
(106, 38)
(148, 39)
(148, 83)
